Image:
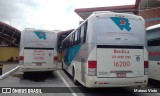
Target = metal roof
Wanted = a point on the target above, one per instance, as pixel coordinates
(9, 36)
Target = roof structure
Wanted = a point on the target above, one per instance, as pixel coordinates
(62, 35)
(86, 12)
(148, 4)
(9, 36)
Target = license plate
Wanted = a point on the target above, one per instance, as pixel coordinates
(120, 75)
(38, 64)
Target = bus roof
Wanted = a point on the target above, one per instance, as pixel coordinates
(153, 27)
(103, 13)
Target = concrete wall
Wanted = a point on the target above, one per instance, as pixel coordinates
(7, 52)
(151, 16)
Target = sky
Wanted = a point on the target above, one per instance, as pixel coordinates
(49, 14)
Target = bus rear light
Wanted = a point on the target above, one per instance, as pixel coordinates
(145, 64)
(145, 67)
(55, 58)
(92, 66)
(21, 58)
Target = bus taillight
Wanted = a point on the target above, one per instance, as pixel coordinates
(145, 64)
(21, 59)
(145, 67)
(55, 58)
(92, 66)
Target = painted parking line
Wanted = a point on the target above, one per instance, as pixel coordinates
(158, 94)
(65, 82)
(9, 72)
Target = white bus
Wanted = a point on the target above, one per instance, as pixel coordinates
(153, 38)
(38, 51)
(107, 50)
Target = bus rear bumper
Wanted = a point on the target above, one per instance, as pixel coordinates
(36, 69)
(116, 82)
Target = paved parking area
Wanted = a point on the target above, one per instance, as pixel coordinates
(8, 66)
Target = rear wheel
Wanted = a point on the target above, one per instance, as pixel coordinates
(25, 75)
(74, 78)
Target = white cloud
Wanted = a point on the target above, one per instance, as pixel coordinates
(49, 14)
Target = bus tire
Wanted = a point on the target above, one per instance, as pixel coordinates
(74, 77)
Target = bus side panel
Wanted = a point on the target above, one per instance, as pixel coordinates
(154, 70)
(153, 37)
(154, 62)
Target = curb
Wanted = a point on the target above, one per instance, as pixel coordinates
(8, 73)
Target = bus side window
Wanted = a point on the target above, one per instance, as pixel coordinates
(64, 45)
(153, 37)
(67, 42)
(79, 36)
(76, 38)
(73, 39)
(154, 42)
(85, 32)
(70, 41)
(82, 34)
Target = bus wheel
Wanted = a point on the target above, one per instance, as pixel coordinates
(74, 78)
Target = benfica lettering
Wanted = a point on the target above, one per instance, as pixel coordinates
(122, 51)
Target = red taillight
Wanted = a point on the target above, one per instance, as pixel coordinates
(21, 58)
(92, 64)
(92, 68)
(145, 67)
(145, 64)
(55, 58)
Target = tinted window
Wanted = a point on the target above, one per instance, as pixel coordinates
(82, 33)
(85, 32)
(153, 37)
(155, 42)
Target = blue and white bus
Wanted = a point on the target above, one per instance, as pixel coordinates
(38, 50)
(153, 38)
(107, 50)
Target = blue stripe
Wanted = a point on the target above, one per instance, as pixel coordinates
(70, 54)
(152, 19)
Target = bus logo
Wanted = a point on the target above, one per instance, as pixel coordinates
(122, 23)
(41, 35)
(137, 58)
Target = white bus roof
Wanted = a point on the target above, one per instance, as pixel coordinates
(110, 13)
(95, 12)
(153, 27)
